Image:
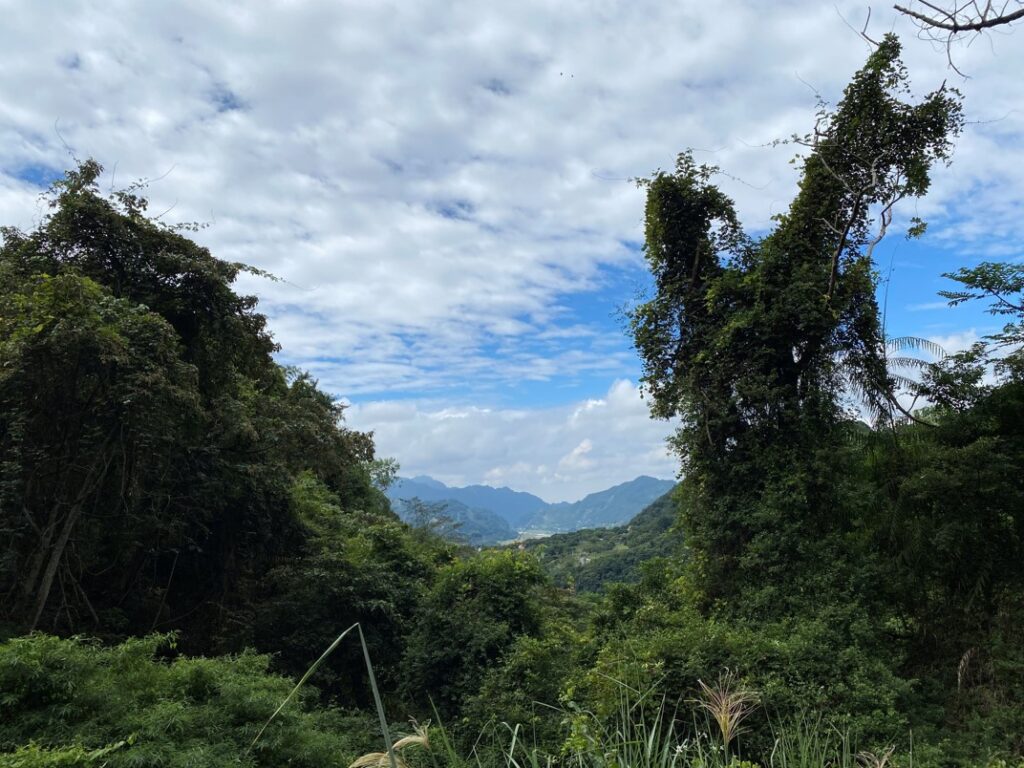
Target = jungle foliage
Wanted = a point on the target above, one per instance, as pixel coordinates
(187, 525)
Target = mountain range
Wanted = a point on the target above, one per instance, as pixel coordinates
(486, 515)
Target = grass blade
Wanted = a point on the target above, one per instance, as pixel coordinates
(376, 699)
(309, 673)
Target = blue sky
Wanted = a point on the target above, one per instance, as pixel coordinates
(444, 187)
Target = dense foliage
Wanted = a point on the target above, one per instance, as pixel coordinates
(751, 342)
(826, 581)
(836, 567)
(160, 471)
(589, 559)
(149, 441)
(79, 703)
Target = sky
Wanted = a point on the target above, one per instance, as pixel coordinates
(445, 188)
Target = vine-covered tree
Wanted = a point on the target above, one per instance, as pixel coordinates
(753, 342)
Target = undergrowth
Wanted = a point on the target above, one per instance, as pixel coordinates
(74, 702)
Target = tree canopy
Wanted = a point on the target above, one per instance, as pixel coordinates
(149, 443)
(753, 342)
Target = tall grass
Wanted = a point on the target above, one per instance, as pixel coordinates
(808, 742)
(634, 737)
(641, 733)
(644, 732)
(390, 749)
(728, 704)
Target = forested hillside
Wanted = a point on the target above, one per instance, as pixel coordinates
(589, 559)
(188, 527)
(615, 506)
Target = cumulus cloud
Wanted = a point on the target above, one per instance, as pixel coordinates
(577, 458)
(445, 187)
(951, 343)
(434, 179)
(559, 453)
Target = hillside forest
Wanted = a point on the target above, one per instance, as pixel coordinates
(200, 564)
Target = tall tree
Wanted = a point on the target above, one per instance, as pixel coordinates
(96, 404)
(149, 443)
(753, 342)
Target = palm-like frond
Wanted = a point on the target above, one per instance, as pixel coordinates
(916, 343)
(908, 362)
(879, 394)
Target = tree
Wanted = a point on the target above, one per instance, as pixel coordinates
(431, 519)
(874, 569)
(1003, 284)
(149, 443)
(96, 404)
(754, 343)
(467, 622)
(351, 565)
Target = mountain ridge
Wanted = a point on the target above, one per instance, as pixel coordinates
(611, 507)
(523, 512)
(456, 521)
(515, 507)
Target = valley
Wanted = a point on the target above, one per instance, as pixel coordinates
(484, 515)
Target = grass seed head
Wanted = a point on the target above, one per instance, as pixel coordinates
(420, 737)
(728, 704)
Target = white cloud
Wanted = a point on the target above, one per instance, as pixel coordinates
(577, 458)
(439, 182)
(434, 179)
(951, 343)
(559, 453)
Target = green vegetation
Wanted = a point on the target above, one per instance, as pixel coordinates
(587, 560)
(74, 697)
(187, 525)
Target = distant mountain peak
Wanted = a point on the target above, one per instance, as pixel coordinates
(611, 507)
(525, 512)
(428, 481)
(515, 507)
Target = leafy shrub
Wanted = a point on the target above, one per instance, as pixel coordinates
(467, 622)
(72, 701)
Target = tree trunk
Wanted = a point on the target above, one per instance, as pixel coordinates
(43, 595)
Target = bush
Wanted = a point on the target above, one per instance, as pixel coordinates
(72, 701)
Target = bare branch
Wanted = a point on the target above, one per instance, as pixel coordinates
(947, 25)
(862, 33)
(885, 219)
(956, 23)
